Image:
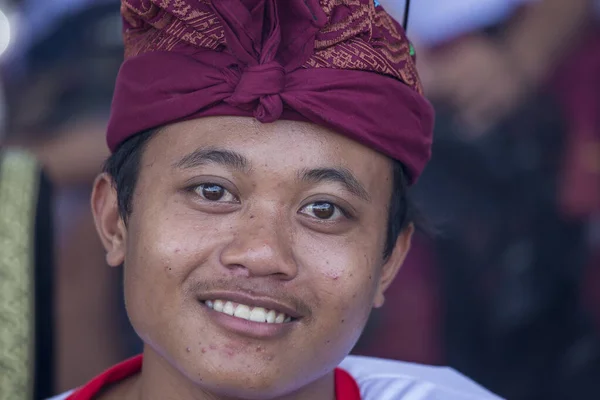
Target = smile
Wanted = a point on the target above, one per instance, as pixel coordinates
(248, 312)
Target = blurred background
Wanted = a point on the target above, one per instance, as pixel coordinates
(507, 291)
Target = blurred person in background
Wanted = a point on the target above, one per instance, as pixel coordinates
(512, 190)
(59, 81)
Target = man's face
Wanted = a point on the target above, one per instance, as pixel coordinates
(281, 224)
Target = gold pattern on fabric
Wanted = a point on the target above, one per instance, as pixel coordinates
(173, 21)
(19, 176)
(362, 17)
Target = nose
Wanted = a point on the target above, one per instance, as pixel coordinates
(261, 245)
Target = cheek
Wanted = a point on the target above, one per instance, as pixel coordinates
(344, 261)
(161, 253)
(344, 278)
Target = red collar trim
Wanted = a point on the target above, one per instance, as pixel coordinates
(346, 387)
(113, 375)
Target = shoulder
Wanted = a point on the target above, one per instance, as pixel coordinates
(396, 380)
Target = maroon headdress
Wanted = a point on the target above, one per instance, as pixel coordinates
(342, 64)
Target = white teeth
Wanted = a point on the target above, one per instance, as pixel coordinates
(258, 314)
(254, 314)
(228, 308)
(242, 311)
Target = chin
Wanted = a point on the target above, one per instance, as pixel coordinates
(244, 383)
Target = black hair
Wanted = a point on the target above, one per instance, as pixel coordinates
(124, 164)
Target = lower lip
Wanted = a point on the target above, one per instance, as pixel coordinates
(258, 330)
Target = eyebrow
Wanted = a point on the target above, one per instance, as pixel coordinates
(203, 156)
(336, 175)
(228, 158)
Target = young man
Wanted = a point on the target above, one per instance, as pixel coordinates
(256, 198)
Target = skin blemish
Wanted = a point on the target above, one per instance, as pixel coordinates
(343, 321)
(259, 349)
(204, 350)
(332, 273)
(188, 349)
(213, 347)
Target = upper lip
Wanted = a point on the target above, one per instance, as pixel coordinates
(254, 301)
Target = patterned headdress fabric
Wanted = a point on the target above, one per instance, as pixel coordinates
(342, 64)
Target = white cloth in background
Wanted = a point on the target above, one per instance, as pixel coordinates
(435, 21)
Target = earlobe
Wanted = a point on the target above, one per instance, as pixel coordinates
(109, 224)
(392, 265)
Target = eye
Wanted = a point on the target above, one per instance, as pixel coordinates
(322, 210)
(214, 192)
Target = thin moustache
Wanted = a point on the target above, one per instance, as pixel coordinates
(271, 299)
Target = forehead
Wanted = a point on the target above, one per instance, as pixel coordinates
(278, 145)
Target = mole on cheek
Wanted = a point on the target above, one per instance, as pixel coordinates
(168, 267)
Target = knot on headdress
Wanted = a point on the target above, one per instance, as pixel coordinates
(265, 83)
(254, 34)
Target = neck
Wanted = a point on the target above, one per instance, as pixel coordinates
(160, 380)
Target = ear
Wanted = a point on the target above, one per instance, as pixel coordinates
(393, 263)
(109, 224)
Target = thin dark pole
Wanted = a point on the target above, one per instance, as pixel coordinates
(406, 9)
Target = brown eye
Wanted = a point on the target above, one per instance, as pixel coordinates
(322, 210)
(214, 192)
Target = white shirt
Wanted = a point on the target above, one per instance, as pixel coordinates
(380, 379)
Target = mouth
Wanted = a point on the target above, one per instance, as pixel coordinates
(249, 312)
